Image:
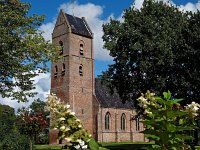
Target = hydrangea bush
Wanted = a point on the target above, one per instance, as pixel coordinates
(69, 127)
(166, 122)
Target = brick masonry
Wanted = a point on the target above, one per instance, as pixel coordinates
(78, 90)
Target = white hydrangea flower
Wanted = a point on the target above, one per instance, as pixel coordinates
(77, 146)
(78, 120)
(84, 147)
(80, 145)
(147, 112)
(66, 129)
(72, 113)
(61, 119)
(67, 106)
(68, 139)
(62, 128)
(144, 106)
(193, 108)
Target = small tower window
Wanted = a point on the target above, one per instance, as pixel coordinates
(55, 71)
(63, 69)
(81, 49)
(81, 70)
(61, 47)
(123, 122)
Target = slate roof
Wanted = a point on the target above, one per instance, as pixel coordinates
(107, 100)
(79, 26)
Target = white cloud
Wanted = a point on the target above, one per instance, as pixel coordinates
(187, 7)
(93, 19)
(138, 4)
(47, 30)
(42, 87)
(191, 7)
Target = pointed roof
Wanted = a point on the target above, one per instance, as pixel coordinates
(107, 100)
(79, 26)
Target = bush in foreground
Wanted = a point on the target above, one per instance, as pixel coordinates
(167, 123)
(69, 127)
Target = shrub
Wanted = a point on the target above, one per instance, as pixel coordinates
(15, 141)
(69, 127)
(167, 123)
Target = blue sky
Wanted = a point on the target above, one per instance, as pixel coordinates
(105, 9)
(96, 13)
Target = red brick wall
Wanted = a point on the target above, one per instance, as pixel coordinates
(115, 133)
(70, 87)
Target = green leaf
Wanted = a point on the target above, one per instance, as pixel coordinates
(93, 145)
(176, 113)
(167, 95)
(175, 101)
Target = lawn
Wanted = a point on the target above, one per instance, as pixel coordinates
(47, 147)
(107, 146)
(126, 145)
(103, 146)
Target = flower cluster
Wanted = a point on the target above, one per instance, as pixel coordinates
(146, 101)
(81, 144)
(193, 108)
(64, 120)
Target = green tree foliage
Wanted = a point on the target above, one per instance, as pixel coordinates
(7, 119)
(23, 49)
(10, 138)
(15, 141)
(156, 48)
(37, 106)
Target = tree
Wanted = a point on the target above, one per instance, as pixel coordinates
(155, 48)
(7, 120)
(23, 49)
(33, 121)
(10, 136)
(38, 106)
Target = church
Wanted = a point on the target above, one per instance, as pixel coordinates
(72, 79)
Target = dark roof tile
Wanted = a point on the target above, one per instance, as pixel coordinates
(107, 100)
(79, 26)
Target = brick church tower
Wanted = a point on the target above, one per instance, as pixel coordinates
(72, 76)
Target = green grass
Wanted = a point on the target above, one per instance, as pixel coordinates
(103, 146)
(197, 147)
(127, 145)
(108, 146)
(47, 147)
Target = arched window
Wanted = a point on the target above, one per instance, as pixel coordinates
(123, 122)
(107, 121)
(55, 71)
(63, 69)
(61, 47)
(81, 70)
(81, 49)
